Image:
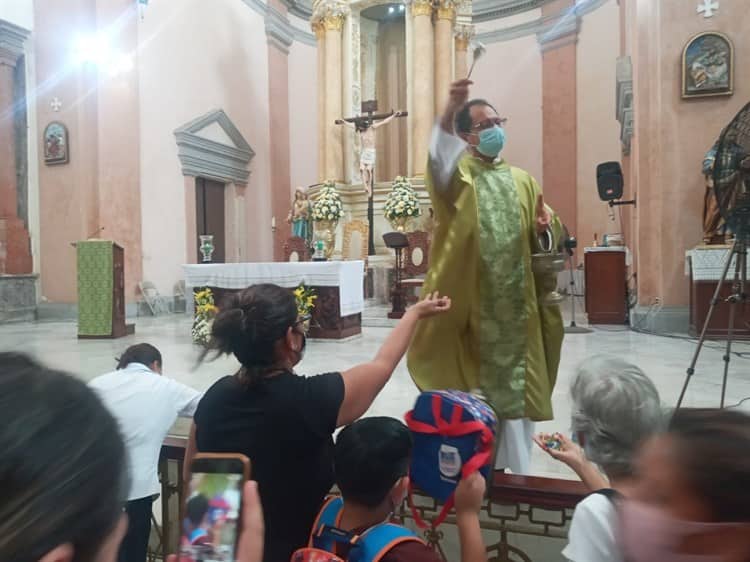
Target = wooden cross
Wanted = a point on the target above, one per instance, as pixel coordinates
(365, 125)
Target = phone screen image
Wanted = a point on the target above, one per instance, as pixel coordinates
(211, 517)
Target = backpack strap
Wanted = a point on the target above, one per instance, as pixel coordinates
(377, 541)
(328, 517)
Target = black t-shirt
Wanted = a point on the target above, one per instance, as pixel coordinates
(284, 425)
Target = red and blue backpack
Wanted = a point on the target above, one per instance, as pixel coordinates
(369, 546)
(454, 435)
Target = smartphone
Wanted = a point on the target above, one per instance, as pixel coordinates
(211, 514)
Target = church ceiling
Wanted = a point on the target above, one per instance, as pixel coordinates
(483, 10)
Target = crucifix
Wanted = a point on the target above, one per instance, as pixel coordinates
(365, 125)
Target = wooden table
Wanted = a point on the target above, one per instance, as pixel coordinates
(338, 284)
(704, 265)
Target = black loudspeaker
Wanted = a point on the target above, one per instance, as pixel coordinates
(609, 181)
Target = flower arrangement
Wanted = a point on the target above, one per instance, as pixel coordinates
(402, 201)
(305, 298)
(328, 205)
(205, 311)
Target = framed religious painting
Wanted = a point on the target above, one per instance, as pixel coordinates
(708, 66)
(56, 144)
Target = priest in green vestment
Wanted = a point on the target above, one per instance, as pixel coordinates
(497, 337)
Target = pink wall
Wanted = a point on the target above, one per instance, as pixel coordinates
(510, 77)
(598, 130)
(672, 135)
(68, 195)
(303, 114)
(197, 56)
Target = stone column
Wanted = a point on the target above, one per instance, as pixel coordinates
(15, 245)
(320, 35)
(446, 15)
(423, 81)
(279, 40)
(463, 35)
(559, 117)
(334, 169)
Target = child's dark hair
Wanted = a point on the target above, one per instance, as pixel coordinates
(712, 452)
(196, 509)
(63, 468)
(143, 353)
(369, 458)
(249, 324)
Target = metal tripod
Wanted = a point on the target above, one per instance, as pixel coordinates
(738, 296)
(573, 328)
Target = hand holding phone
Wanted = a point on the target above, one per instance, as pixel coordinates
(250, 543)
(213, 508)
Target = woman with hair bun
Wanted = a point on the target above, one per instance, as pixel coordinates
(281, 421)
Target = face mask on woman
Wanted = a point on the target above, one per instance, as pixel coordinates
(648, 534)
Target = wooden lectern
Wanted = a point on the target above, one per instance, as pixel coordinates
(101, 290)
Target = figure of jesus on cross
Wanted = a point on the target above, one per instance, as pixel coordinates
(365, 126)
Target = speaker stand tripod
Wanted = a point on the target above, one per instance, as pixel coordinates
(738, 297)
(573, 328)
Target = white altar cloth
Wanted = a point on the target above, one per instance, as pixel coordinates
(346, 275)
(708, 263)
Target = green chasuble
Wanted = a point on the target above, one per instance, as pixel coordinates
(496, 336)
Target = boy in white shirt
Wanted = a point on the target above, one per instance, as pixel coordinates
(146, 406)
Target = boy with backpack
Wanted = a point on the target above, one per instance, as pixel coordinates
(371, 464)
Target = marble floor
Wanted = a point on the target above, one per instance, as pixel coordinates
(664, 359)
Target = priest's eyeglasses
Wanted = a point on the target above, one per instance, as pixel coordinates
(489, 123)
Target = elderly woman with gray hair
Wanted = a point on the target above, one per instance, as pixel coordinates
(615, 408)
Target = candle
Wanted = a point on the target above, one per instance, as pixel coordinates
(273, 222)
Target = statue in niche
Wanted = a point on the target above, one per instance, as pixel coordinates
(365, 126)
(715, 230)
(299, 216)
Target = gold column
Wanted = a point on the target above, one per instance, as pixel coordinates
(334, 155)
(464, 33)
(423, 83)
(446, 14)
(320, 35)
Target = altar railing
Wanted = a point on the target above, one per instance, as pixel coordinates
(523, 519)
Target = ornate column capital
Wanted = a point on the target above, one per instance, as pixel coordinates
(329, 15)
(421, 7)
(334, 22)
(318, 29)
(446, 10)
(464, 34)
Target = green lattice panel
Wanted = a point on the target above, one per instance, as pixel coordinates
(95, 288)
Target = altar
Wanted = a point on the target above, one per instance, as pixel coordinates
(703, 266)
(338, 284)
